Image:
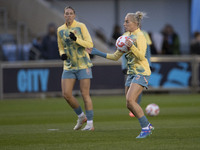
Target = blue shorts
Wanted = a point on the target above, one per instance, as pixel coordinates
(77, 74)
(139, 79)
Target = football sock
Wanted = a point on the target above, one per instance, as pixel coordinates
(78, 110)
(90, 122)
(89, 114)
(143, 122)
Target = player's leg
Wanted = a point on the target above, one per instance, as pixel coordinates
(131, 99)
(85, 92)
(136, 88)
(67, 87)
(138, 100)
(84, 75)
(126, 90)
(139, 97)
(127, 85)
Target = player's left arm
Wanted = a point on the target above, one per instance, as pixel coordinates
(87, 40)
(140, 50)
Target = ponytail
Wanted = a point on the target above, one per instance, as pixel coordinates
(137, 17)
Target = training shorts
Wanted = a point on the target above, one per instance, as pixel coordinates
(139, 79)
(77, 74)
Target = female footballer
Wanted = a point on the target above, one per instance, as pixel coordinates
(73, 38)
(138, 68)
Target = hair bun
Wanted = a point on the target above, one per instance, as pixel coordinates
(140, 15)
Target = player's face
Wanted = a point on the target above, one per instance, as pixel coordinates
(69, 16)
(129, 26)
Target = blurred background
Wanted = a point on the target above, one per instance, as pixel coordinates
(29, 59)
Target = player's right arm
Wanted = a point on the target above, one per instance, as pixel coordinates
(60, 45)
(63, 56)
(115, 56)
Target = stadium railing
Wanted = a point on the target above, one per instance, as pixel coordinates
(42, 78)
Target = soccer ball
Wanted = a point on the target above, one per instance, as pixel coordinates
(152, 110)
(120, 43)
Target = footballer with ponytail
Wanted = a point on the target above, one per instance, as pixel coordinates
(138, 70)
(137, 17)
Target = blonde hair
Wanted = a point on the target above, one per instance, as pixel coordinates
(137, 17)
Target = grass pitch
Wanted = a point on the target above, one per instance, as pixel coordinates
(47, 124)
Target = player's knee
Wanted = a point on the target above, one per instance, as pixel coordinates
(128, 99)
(86, 98)
(131, 98)
(67, 95)
(85, 94)
(129, 102)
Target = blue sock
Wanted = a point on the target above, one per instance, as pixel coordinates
(143, 121)
(78, 110)
(89, 114)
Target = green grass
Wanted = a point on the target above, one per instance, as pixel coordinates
(25, 124)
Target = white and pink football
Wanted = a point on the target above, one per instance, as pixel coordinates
(120, 43)
(152, 110)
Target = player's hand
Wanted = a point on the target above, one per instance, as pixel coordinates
(72, 36)
(63, 57)
(88, 50)
(128, 42)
